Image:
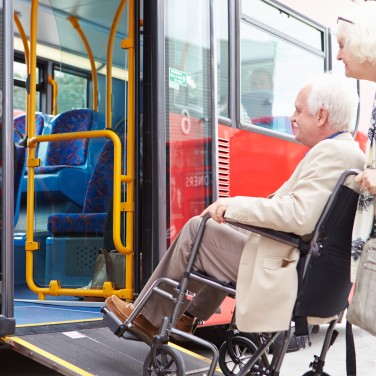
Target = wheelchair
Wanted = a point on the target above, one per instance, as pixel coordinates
(323, 289)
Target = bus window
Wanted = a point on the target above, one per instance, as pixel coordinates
(19, 91)
(279, 20)
(188, 107)
(72, 90)
(272, 67)
(222, 56)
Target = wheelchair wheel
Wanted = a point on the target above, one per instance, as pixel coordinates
(243, 349)
(168, 362)
(311, 373)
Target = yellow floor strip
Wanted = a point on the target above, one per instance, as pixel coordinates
(57, 322)
(14, 341)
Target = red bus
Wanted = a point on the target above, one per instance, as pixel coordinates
(134, 116)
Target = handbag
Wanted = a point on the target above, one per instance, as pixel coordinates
(109, 266)
(362, 308)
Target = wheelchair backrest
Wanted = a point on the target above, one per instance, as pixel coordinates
(325, 272)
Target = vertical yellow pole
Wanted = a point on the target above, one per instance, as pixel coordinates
(130, 150)
(30, 245)
(53, 83)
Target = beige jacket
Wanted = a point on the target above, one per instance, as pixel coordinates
(267, 279)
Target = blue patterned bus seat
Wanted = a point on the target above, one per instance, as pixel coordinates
(98, 195)
(69, 153)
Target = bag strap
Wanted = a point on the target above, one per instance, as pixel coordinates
(107, 261)
(350, 351)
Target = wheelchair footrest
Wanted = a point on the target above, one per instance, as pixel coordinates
(115, 325)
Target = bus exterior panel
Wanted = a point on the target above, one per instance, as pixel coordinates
(265, 166)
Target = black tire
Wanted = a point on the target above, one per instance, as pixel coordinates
(243, 348)
(311, 373)
(169, 362)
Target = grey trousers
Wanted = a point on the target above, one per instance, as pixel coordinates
(218, 256)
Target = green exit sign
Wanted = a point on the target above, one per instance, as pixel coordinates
(177, 78)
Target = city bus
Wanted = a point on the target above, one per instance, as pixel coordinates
(120, 121)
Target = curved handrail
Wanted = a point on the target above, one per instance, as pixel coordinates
(74, 21)
(110, 48)
(23, 36)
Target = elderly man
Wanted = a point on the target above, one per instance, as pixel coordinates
(264, 270)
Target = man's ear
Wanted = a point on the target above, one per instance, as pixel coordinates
(323, 116)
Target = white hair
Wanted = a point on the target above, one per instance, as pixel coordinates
(357, 28)
(338, 95)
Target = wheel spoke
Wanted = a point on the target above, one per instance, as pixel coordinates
(168, 362)
(242, 349)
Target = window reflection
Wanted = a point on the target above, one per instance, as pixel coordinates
(188, 100)
(271, 73)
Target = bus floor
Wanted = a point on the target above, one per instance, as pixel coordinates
(68, 337)
(95, 351)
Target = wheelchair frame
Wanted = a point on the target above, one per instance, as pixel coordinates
(164, 360)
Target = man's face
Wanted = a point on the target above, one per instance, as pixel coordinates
(306, 128)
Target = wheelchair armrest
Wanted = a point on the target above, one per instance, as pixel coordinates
(313, 246)
(280, 236)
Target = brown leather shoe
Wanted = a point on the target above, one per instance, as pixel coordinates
(185, 323)
(142, 327)
(119, 307)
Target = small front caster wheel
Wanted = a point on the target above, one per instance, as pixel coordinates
(167, 362)
(243, 349)
(311, 373)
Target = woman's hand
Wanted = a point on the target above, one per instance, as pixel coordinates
(367, 180)
(217, 210)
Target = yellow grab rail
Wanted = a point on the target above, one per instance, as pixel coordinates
(31, 246)
(54, 85)
(110, 47)
(76, 25)
(32, 162)
(23, 38)
(30, 117)
(129, 44)
(27, 57)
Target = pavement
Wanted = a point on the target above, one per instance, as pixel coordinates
(297, 363)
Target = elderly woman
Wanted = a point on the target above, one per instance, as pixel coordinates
(356, 36)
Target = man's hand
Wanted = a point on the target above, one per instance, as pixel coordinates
(217, 210)
(367, 179)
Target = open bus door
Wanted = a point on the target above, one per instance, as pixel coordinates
(7, 322)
